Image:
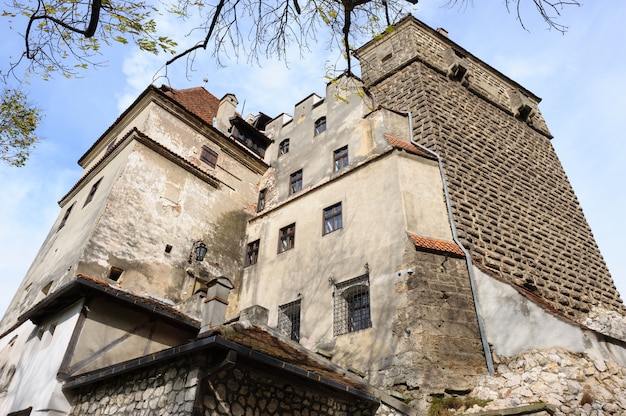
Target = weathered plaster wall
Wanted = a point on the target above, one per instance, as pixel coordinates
(514, 324)
(156, 204)
(30, 357)
(513, 205)
(56, 260)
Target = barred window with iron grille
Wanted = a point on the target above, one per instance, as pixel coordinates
(351, 305)
(289, 320)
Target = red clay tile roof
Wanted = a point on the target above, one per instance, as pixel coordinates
(410, 147)
(434, 244)
(197, 100)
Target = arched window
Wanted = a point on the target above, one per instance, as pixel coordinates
(320, 125)
(283, 147)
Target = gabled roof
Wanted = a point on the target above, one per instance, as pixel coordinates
(197, 100)
(436, 245)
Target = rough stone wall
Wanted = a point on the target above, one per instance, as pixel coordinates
(513, 205)
(575, 384)
(168, 389)
(242, 391)
(174, 388)
(439, 329)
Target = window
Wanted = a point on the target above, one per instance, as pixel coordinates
(283, 147)
(351, 304)
(287, 238)
(260, 205)
(289, 320)
(208, 156)
(92, 192)
(340, 158)
(66, 216)
(295, 182)
(332, 218)
(115, 273)
(320, 125)
(252, 253)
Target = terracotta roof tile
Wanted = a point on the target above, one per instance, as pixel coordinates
(434, 244)
(197, 100)
(410, 147)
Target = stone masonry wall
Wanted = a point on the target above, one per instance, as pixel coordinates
(167, 389)
(438, 330)
(574, 384)
(513, 205)
(243, 391)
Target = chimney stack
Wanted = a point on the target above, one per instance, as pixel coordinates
(215, 303)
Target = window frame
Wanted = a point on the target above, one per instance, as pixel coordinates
(320, 126)
(340, 158)
(208, 156)
(68, 211)
(289, 318)
(287, 238)
(334, 214)
(252, 253)
(260, 204)
(92, 191)
(283, 147)
(295, 182)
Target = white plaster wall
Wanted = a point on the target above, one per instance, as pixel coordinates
(374, 232)
(514, 324)
(37, 363)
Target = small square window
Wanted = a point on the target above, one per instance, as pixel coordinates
(66, 216)
(260, 205)
(287, 238)
(92, 192)
(208, 156)
(295, 182)
(351, 304)
(252, 253)
(115, 273)
(320, 125)
(289, 320)
(332, 218)
(340, 158)
(283, 147)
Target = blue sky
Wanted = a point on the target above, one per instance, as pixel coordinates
(579, 75)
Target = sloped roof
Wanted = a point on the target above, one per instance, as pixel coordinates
(436, 245)
(409, 147)
(197, 100)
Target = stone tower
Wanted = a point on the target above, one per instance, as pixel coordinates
(513, 205)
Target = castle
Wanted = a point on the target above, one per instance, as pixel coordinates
(409, 238)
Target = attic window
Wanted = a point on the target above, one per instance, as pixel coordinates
(115, 273)
(208, 156)
(320, 125)
(92, 192)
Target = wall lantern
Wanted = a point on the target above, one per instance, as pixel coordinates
(199, 251)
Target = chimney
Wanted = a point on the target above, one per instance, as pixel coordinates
(215, 303)
(226, 110)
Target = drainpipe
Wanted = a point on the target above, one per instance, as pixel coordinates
(468, 259)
